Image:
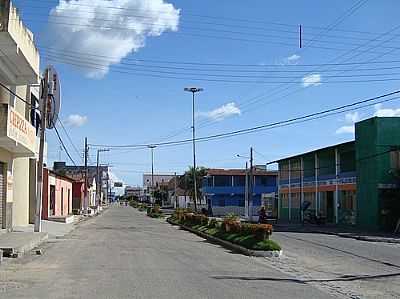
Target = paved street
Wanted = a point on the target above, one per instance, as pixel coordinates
(124, 254)
(348, 266)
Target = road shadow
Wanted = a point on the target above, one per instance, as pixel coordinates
(342, 278)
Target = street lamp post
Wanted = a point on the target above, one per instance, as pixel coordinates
(249, 186)
(152, 147)
(194, 90)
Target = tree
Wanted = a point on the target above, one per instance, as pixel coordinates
(186, 182)
(160, 194)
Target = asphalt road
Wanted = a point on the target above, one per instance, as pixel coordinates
(125, 254)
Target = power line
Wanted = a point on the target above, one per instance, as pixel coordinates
(98, 66)
(247, 21)
(70, 140)
(264, 66)
(311, 116)
(140, 67)
(15, 95)
(63, 145)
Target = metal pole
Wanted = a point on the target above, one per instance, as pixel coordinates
(176, 197)
(246, 193)
(86, 203)
(152, 168)
(194, 156)
(251, 186)
(97, 180)
(39, 191)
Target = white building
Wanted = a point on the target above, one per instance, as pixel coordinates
(19, 69)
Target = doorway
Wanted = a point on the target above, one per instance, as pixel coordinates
(330, 207)
(52, 209)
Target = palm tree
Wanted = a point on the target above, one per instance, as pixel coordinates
(186, 182)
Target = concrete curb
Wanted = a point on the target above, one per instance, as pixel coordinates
(229, 245)
(20, 249)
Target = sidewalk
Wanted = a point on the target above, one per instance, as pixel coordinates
(339, 231)
(15, 244)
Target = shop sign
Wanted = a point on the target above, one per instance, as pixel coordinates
(20, 130)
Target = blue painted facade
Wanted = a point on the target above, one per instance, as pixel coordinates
(225, 193)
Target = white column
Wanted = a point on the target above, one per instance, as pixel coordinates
(316, 183)
(337, 171)
(290, 195)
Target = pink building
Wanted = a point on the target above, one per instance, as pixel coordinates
(57, 195)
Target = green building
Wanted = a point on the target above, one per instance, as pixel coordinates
(354, 183)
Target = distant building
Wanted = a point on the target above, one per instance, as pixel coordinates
(77, 173)
(57, 195)
(158, 180)
(225, 192)
(351, 183)
(134, 191)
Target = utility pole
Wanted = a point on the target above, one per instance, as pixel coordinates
(48, 91)
(176, 197)
(246, 192)
(152, 147)
(98, 178)
(251, 184)
(193, 90)
(86, 202)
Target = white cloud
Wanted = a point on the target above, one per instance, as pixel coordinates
(108, 34)
(352, 117)
(311, 80)
(293, 58)
(346, 130)
(222, 112)
(385, 112)
(76, 120)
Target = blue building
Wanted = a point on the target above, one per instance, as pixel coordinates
(225, 192)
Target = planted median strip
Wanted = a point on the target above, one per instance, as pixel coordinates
(250, 239)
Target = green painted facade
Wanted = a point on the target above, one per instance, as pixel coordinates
(375, 139)
(372, 161)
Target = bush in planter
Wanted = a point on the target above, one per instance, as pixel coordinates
(231, 223)
(148, 210)
(213, 223)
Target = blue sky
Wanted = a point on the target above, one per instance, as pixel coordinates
(121, 108)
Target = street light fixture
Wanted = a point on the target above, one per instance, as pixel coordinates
(194, 90)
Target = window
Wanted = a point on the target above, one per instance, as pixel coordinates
(285, 200)
(239, 180)
(221, 202)
(222, 180)
(348, 161)
(241, 202)
(295, 171)
(295, 201)
(395, 159)
(284, 170)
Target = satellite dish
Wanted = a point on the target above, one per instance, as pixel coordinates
(54, 103)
